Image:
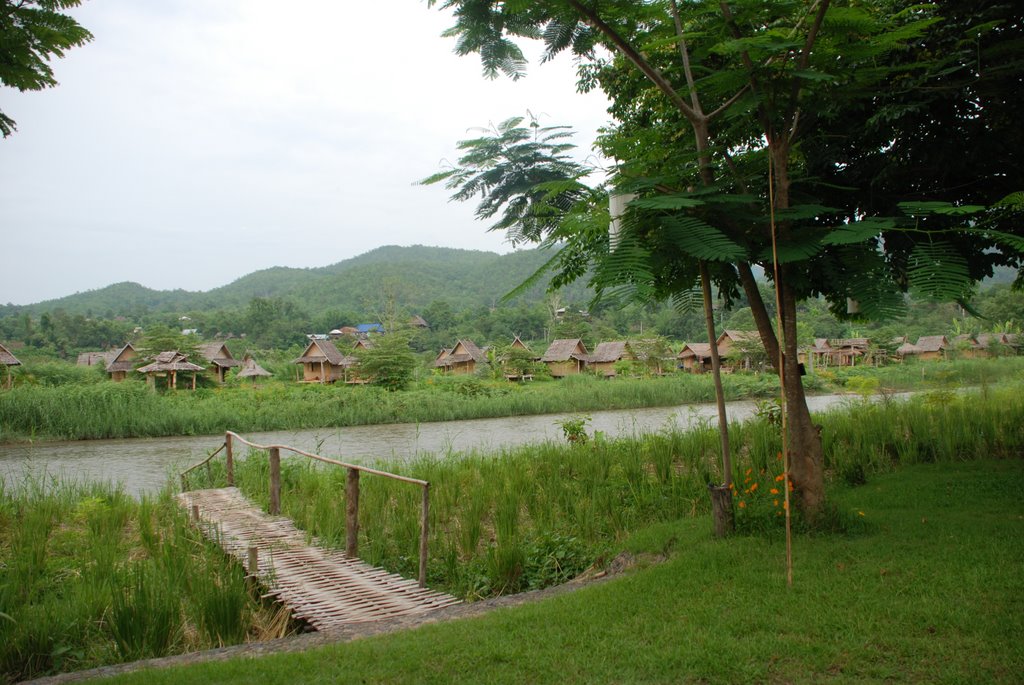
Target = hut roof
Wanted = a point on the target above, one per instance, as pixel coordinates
(908, 348)
(1012, 339)
(564, 349)
(96, 358)
(123, 360)
(518, 343)
(363, 345)
(418, 321)
(609, 352)
(740, 335)
(932, 343)
(250, 369)
(170, 361)
(318, 351)
(217, 353)
(370, 328)
(698, 350)
(7, 358)
(987, 339)
(850, 343)
(463, 352)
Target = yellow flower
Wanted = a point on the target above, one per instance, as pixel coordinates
(860, 513)
(775, 502)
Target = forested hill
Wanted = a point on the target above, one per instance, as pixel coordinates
(415, 276)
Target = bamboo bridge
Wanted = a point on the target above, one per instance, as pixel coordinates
(327, 588)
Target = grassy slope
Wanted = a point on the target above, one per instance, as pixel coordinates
(931, 591)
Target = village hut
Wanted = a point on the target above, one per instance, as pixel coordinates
(418, 321)
(250, 369)
(820, 354)
(966, 347)
(321, 362)
(122, 363)
(8, 360)
(606, 355)
(219, 358)
(565, 357)
(846, 351)
(732, 345)
(932, 347)
(518, 371)
(170, 364)
(461, 359)
(350, 364)
(695, 357)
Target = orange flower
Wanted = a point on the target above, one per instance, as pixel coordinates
(778, 478)
(774, 491)
(785, 505)
(775, 502)
(743, 505)
(747, 472)
(753, 487)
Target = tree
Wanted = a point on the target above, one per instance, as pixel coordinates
(723, 116)
(389, 362)
(31, 32)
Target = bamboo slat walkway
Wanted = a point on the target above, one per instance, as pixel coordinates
(322, 586)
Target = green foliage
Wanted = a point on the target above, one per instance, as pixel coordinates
(31, 32)
(574, 428)
(390, 362)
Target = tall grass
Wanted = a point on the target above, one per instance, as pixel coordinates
(130, 409)
(89, 576)
(498, 519)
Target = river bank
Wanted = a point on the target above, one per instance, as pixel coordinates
(107, 410)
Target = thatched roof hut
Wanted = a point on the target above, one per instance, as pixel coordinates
(695, 357)
(322, 362)
(122, 363)
(96, 358)
(170, 364)
(462, 358)
(604, 357)
(219, 357)
(565, 356)
(932, 346)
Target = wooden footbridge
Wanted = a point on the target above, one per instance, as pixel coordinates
(325, 587)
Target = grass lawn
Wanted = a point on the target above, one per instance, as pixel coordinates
(928, 588)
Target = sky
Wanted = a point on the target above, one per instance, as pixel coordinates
(194, 142)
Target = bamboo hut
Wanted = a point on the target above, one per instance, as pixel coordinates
(219, 358)
(731, 345)
(565, 357)
(461, 359)
(122, 363)
(322, 363)
(8, 360)
(932, 347)
(695, 357)
(96, 358)
(170, 364)
(519, 371)
(606, 355)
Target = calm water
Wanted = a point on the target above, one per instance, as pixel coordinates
(144, 464)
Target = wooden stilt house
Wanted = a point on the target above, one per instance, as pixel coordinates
(695, 357)
(462, 359)
(322, 363)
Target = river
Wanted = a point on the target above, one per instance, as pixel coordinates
(145, 464)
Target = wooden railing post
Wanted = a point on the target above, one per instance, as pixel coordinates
(229, 459)
(352, 513)
(424, 532)
(275, 481)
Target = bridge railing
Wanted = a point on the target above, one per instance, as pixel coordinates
(353, 472)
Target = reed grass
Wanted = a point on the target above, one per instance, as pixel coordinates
(90, 576)
(495, 517)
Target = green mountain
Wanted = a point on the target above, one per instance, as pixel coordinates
(415, 276)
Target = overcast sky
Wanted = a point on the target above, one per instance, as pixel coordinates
(193, 142)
